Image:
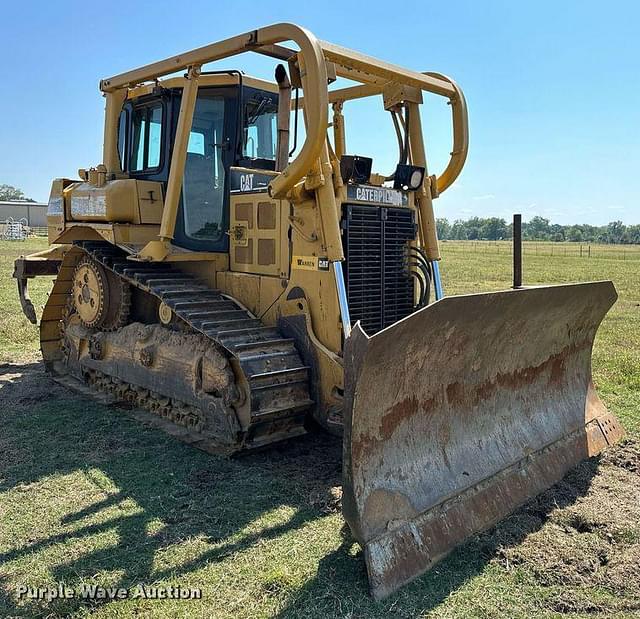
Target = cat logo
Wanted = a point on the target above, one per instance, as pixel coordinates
(246, 182)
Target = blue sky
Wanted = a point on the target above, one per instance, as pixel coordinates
(553, 89)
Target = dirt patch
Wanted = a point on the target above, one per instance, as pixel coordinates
(588, 543)
(571, 602)
(625, 456)
(327, 500)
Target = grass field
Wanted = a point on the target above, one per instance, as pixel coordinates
(88, 495)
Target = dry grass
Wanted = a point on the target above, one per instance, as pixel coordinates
(88, 495)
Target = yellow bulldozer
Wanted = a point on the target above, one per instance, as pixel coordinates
(232, 270)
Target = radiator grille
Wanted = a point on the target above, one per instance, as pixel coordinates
(379, 289)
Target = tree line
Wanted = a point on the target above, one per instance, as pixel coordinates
(538, 229)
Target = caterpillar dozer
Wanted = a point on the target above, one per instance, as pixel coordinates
(233, 271)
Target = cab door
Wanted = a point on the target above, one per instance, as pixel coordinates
(202, 223)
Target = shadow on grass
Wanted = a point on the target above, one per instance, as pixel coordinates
(47, 431)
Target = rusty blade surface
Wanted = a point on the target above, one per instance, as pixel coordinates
(459, 413)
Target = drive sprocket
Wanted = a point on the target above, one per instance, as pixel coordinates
(100, 299)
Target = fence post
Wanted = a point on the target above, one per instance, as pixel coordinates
(517, 250)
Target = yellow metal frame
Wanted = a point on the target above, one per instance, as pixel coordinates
(315, 60)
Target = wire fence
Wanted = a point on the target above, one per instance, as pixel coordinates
(543, 248)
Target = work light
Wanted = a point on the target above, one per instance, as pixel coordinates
(355, 169)
(408, 177)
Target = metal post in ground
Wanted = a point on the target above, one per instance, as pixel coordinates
(517, 250)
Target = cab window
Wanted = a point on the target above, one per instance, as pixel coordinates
(260, 129)
(146, 142)
(122, 138)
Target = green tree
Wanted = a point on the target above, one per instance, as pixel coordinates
(615, 232)
(494, 229)
(574, 233)
(473, 228)
(443, 228)
(556, 232)
(634, 234)
(458, 230)
(537, 228)
(9, 192)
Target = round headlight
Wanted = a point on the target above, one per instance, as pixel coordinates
(416, 179)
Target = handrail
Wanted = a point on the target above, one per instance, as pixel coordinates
(314, 78)
(460, 121)
(312, 61)
(369, 69)
(444, 86)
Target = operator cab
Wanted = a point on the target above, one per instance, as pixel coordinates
(233, 125)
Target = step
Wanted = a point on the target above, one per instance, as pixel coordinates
(279, 374)
(274, 410)
(276, 396)
(290, 384)
(270, 363)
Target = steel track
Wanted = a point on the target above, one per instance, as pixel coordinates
(271, 367)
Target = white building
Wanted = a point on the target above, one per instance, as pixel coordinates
(34, 212)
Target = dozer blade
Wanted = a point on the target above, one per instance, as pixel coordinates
(461, 412)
